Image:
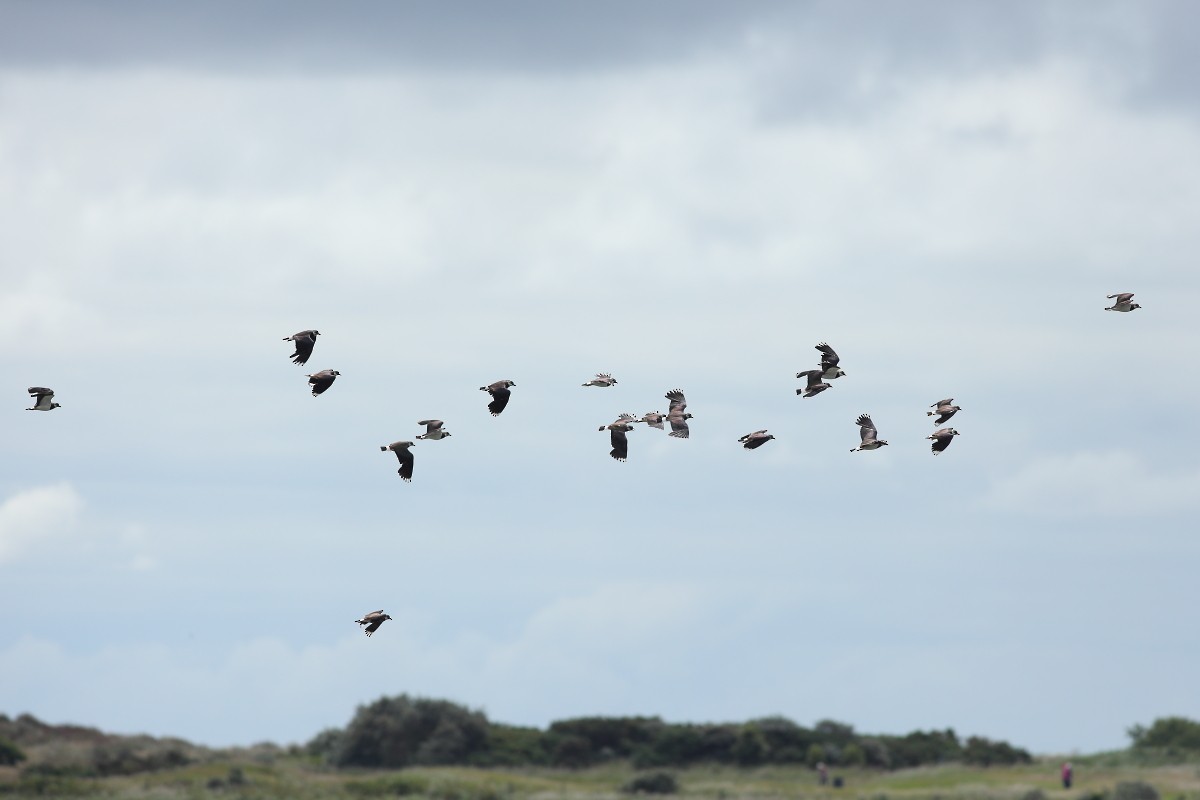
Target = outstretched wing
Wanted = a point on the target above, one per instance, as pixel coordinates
(305, 341)
(946, 402)
(866, 428)
(431, 425)
(620, 444)
(1121, 297)
(828, 357)
(500, 397)
(406, 462)
(813, 376)
(678, 401)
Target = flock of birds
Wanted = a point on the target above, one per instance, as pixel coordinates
(676, 417)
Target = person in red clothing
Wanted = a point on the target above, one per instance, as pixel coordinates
(1067, 774)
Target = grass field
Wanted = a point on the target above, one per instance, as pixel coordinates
(294, 779)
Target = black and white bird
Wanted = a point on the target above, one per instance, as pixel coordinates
(943, 410)
(404, 455)
(1122, 301)
(676, 415)
(868, 434)
(42, 399)
(756, 439)
(500, 393)
(304, 341)
(373, 620)
(941, 439)
(322, 380)
(433, 429)
(602, 379)
(617, 430)
(815, 385)
(654, 419)
(829, 362)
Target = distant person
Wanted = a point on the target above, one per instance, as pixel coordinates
(822, 773)
(1067, 774)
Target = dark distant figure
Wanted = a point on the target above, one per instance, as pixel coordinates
(1067, 774)
(838, 782)
(822, 773)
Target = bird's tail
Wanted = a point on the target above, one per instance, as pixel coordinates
(929, 413)
(383, 447)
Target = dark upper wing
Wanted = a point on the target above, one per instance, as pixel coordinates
(679, 426)
(40, 391)
(431, 425)
(620, 444)
(321, 380)
(678, 401)
(406, 462)
(940, 441)
(946, 402)
(944, 415)
(828, 357)
(305, 341)
(500, 397)
(1123, 297)
(812, 375)
(374, 626)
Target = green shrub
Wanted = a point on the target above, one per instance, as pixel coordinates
(653, 783)
(10, 754)
(1167, 733)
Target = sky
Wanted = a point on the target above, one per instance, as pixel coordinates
(685, 194)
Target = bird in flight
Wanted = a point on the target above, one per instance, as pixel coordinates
(602, 379)
(617, 430)
(943, 409)
(304, 341)
(676, 415)
(829, 362)
(401, 449)
(373, 620)
(433, 429)
(868, 434)
(322, 380)
(815, 385)
(942, 438)
(1122, 301)
(500, 393)
(756, 439)
(42, 399)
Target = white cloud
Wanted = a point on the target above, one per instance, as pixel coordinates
(1090, 483)
(33, 516)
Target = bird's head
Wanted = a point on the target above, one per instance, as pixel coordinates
(687, 415)
(882, 442)
(1135, 305)
(387, 616)
(335, 372)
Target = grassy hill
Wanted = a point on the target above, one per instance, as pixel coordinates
(246, 774)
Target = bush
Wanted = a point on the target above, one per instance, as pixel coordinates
(750, 748)
(399, 731)
(653, 783)
(852, 756)
(10, 754)
(1034, 794)
(1167, 733)
(985, 752)
(1134, 790)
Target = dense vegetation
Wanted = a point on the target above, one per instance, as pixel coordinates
(404, 731)
(420, 748)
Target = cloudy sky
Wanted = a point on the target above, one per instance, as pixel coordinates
(685, 194)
